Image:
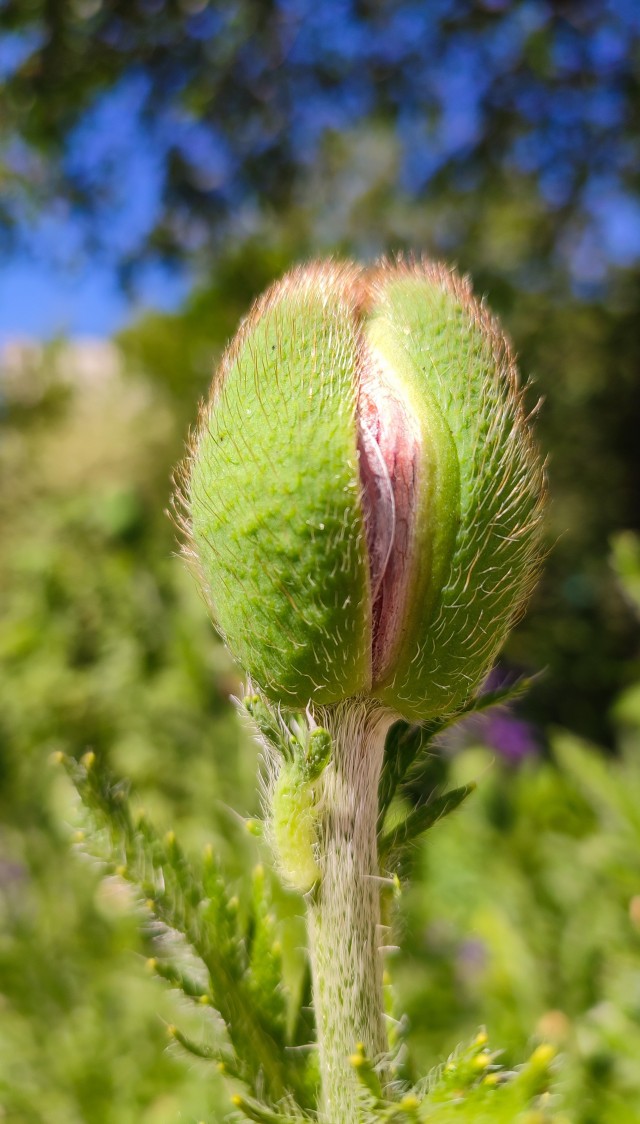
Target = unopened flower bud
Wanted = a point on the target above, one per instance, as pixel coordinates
(363, 494)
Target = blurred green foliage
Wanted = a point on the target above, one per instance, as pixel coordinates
(372, 124)
(527, 914)
(525, 911)
(104, 643)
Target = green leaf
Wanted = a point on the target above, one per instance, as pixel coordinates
(198, 1049)
(405, 742)
(304, 1029)
(407, 746)
(183, 981)
(264, 972)
(421, 819)
(254, 1110)
(367, 1075)
(470, 1088)
(267, 720)
(197, 905)
(509, 693)
(625, 559)
(611, 793)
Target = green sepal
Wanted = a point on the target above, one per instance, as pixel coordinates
(274, 496)
(488, 499)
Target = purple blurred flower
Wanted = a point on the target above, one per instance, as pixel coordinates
(11, 873)
(514, 739)
(471, 962)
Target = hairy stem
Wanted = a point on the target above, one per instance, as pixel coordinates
(344, 914)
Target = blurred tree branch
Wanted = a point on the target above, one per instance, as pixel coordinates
(244, 106)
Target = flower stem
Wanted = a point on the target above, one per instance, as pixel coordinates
(344, 912)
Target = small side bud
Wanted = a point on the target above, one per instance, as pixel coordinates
(293, 824)
(542, 1056)
(481, 1061)
(318, 752)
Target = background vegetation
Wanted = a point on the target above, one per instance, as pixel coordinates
(499, 135)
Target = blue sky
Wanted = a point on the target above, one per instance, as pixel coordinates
(42, 299)
(64, 276)
(57, 281)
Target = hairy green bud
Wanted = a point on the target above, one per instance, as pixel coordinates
(363, 494)
(294, 827)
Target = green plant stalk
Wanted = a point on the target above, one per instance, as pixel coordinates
(344, 910)
(363, 505)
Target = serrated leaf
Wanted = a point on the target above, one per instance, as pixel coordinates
(405, 742)
(197, 905)
(198, 1049)
(422, 818)
(174, 975)
(262, 1114)
(267, 720)
(264, 971)
(304, 1026)
(509, 693)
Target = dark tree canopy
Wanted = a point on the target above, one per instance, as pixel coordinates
(237, 112)
(238, 135)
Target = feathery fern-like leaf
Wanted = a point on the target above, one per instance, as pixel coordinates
(241, 967)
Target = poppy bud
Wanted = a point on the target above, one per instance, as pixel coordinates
(364, 497)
